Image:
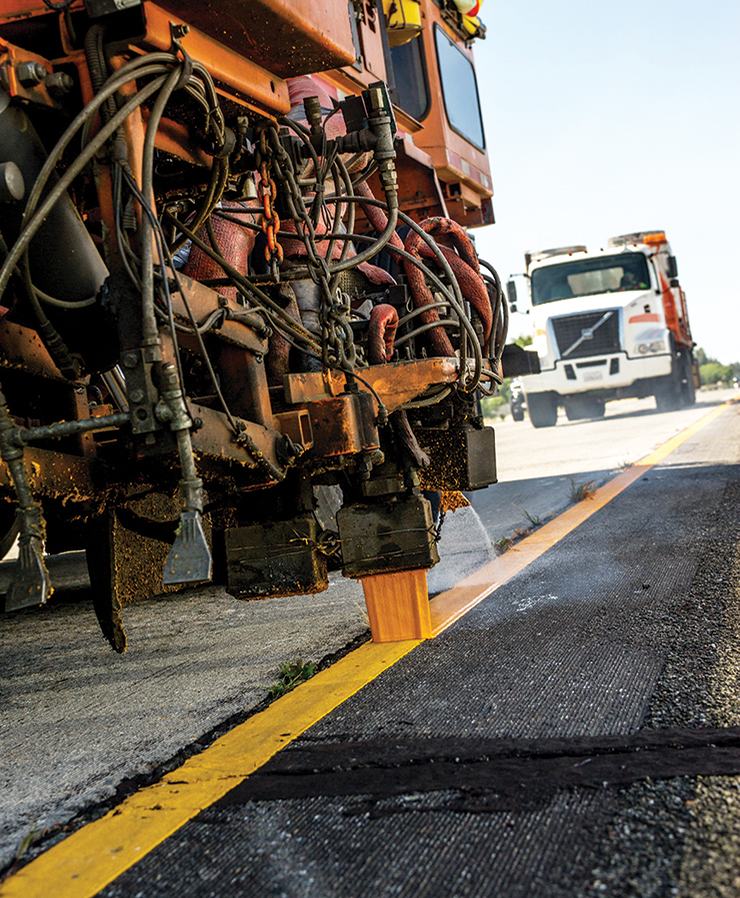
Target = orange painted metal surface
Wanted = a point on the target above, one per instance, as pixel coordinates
(241, 73)
(287, 37)
(676, 318)
(10, 58)
(396, 384)
(462, 168)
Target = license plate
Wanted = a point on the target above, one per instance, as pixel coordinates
(593, 375)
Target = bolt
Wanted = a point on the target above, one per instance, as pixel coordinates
(58, 84)
(130, 359)
(178, 30)
(30, 73)
(136, 395)
(376, 99)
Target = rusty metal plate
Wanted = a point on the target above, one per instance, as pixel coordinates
(343, 425)
(21, 347)
(287, 37)
(55, 475)
(203, 302)
(387, 536)
(279, 558)
(461, 459)
(213, 440)
(396, 383)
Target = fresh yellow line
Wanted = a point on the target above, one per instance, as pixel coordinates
(91, 858)
(450, 606)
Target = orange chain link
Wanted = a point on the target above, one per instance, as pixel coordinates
(271, 220)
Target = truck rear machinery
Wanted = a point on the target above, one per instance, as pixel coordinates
(241, 323)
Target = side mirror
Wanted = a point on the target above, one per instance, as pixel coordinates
(672, 267)
(511, 293)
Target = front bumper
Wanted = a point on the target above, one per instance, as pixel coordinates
(615, 371)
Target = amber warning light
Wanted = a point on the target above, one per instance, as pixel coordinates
(655, 239)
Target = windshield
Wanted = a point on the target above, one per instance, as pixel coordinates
(410, 91)
(459, 89)
(604, 274)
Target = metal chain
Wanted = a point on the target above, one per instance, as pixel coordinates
(440, 522)
(271, 220)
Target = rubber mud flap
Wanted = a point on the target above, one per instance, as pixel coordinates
(107, 605)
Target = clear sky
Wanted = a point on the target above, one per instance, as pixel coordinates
(603, 119)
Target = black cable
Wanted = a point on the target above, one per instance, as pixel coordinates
(36, 215)
(164, 249)
(55, 345)
(457, 301)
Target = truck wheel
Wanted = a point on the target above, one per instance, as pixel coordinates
(677, 390)
(579, 407)
(543, 409)
(688, 387)
(517, 413)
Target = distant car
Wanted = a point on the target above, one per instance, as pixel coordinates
(516, 400)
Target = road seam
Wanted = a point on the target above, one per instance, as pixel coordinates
(98, 853)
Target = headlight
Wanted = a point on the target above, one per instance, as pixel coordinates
(646, 348)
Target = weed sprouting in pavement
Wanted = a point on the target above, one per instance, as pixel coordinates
(533, 519)
(582, 490)
(290, 675)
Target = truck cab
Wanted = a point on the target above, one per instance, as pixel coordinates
(608, 324)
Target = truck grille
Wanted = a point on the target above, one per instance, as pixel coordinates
(605, 338)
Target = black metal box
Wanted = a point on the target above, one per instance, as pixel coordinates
(461, 458)
(386, 537)
(275, 559)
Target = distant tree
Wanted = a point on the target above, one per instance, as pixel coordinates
(701, 357)
(714, 373)
(523, 341)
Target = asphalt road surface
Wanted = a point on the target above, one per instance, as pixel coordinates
(79, 721)
(540, 472)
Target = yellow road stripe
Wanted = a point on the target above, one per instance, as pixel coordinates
(450, 606)
(95, 855)
(88, 860)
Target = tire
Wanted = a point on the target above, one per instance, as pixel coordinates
(668, 397)
(517, 413)
(579, 407)
(688, 385)
(543, 409)
(669, 393)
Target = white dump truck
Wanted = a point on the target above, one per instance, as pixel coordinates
(608, 324)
